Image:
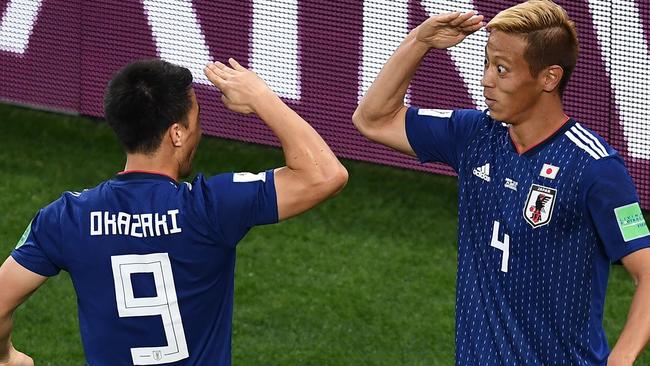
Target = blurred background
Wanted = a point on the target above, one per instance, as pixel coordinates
(367, 278)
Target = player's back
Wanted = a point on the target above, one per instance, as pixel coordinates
(152, 262)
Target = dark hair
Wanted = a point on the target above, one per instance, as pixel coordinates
(143, 99)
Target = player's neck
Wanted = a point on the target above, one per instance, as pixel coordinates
(542, 122)
(153, 163)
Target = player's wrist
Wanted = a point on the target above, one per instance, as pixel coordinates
(620, 359)
(265, 102)
(416, 43)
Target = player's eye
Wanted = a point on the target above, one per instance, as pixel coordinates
(501, 69)
(485, 62)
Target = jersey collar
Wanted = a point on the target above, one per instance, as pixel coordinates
(533, 150)
(128, 175)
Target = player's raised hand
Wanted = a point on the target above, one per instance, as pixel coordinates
(242, 90)
(17, 358)
(447, 30)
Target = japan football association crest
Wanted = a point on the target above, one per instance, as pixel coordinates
(539, 205)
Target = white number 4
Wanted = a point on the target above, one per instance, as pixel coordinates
(164, 304)
(503, 246)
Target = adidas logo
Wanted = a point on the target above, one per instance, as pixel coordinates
(483, 172)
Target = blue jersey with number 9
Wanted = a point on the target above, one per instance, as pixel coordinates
(152, 262)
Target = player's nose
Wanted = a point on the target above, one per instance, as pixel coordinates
(487, 81)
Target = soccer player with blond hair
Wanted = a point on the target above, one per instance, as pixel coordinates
(545, 204)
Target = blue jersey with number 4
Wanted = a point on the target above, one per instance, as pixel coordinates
(537, 233)
(152, 262)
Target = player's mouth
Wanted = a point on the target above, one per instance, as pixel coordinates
(490, 102)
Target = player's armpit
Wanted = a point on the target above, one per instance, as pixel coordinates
(17, 283)
(638, 264)
(390, 131)
(297, 193)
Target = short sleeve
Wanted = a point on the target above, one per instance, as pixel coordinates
(613, 205)
(31, 251)
(441, 135)
(240, 201)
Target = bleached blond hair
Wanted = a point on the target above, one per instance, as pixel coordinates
(550, 35)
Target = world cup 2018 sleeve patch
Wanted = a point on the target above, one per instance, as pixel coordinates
(23, 238)
(539, 205)
(631, 222)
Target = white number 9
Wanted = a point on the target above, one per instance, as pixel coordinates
(164, 304)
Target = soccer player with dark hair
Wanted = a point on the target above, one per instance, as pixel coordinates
(545, 204)
(152, 259)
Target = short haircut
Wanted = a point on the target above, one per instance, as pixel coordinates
(550, 35)
(143, 99)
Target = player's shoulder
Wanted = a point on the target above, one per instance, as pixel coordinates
(472, 118)
(473, 115)
(610, 170)
(478, 123)
(232, 177)
(589, 145)
(482, 127)
(71, 200)
(456, 115)
(481, 121)
(602, 163)
(227, 181)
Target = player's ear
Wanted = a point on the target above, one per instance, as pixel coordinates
(176, 134)
(551, 77)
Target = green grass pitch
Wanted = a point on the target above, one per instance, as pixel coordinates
(364, 279)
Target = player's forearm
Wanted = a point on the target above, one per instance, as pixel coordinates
(636, 333)
(385, 97)
(305, 151)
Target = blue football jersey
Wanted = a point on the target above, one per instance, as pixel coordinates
(537, 233)
(152, 262)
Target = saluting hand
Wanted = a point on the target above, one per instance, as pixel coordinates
(447, 30)
(17, 358)
(241, 88)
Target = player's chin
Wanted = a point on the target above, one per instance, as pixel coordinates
(494, 114)
(497, 114)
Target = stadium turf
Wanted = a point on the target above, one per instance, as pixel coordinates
(364, 279)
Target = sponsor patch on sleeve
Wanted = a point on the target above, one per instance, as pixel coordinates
(23, 238)
(631, 222)
(440, 113)
(245, 177)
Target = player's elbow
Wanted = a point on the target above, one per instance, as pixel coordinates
(333, 181)
(369, 125)
(310, 191)
(341, 179)
(328, 182)
(360, 121)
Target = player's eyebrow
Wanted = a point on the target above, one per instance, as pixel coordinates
(497, 56)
